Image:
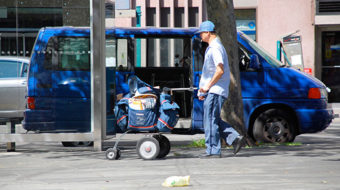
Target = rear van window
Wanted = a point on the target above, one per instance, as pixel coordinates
(68, 54)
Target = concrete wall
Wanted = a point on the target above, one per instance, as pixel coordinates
(276, 18)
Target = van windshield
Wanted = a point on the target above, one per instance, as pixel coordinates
(263, 53)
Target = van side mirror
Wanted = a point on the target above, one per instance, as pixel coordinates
(254, 62)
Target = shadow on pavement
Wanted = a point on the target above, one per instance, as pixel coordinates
(322, 144)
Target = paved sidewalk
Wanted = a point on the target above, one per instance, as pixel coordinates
(312, 165)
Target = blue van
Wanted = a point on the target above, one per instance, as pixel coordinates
(279, 102)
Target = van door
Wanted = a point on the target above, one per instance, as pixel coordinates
(71, 84)
(197, 65)
(252, 81)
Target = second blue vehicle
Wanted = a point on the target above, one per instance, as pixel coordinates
(279, 102)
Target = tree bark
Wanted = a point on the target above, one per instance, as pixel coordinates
(221, 13)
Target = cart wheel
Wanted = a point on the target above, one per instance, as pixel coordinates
(148, 148)
(113, 153)
(164, 145)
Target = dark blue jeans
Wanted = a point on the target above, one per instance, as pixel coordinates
(214, 126)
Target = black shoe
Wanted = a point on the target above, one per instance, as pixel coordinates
(238, 144)
(208, 156)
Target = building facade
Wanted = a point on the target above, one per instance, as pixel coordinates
(317, 23)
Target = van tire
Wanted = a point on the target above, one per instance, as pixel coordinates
(274, 126)
(77, 144)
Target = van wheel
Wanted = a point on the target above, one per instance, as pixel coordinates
(274, 126)
(77, 144)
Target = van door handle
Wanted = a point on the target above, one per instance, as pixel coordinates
(44, 85)
(73, 81)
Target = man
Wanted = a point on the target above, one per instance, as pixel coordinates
(214, 89)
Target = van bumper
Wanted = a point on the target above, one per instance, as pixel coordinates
(314, 120)
(45, 121)
(38, 120)
(38, 126)
(57, 127)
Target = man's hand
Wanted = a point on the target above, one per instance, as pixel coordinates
(201, 97)
(201, 91)
(204, 90)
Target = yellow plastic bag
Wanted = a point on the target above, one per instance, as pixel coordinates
(176, 181)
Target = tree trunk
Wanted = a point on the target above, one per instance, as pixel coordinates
(221, 13)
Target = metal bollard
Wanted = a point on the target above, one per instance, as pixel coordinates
(11, 129)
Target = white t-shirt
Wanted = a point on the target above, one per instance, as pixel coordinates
(214, 55)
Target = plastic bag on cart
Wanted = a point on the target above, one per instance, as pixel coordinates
(168, 114)
(138, 87)
(143, 112)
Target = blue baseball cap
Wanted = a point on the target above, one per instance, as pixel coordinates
(206, 26)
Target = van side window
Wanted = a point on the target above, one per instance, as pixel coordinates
(110, 52)
(163, 52)
(199, 48)
(244, 58)
(125, 54)
(51, 48)
(153, 53)
(68, 54)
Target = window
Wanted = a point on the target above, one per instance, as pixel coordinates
(74, 53)
(328, 6)
(331, 63)
(127, 52)
(24, 70)
(179, 17)
(165, 17)
(193, 16)
(199, 48)
(244, 57)
(150, 16)
(31, 17)
(261, 51)
(68, 53)
(246, 21)
(165, 53)
(181, 51)
(122, 53)
(109, 10)
(10, 69)
(151, 53)
(110, 52)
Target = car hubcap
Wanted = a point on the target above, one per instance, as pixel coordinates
(276, 129)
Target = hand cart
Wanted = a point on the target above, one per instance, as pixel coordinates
(150, 147)
(145, 109)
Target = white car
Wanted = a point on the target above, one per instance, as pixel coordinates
(13, 82)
